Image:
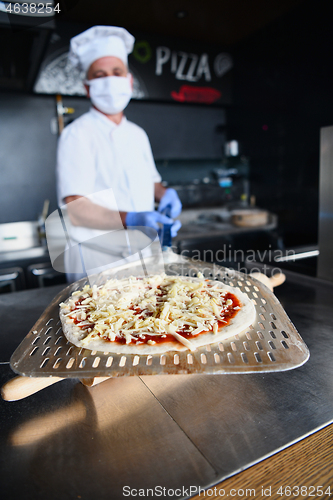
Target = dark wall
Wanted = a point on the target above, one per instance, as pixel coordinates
(27, 155)
(283, 95)
(28, 146)
(181, 131)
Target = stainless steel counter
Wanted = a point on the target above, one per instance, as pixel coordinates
(214, 223)
(172, 431)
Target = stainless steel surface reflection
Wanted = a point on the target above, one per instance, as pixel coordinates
(94, 442)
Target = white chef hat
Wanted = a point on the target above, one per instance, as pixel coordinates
(100, 41)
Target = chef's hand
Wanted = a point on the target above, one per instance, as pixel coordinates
(171, 198)
(151, 219)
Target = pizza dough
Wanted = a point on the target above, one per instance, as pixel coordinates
(155, 315)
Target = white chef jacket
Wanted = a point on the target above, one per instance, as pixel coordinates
(95, 154)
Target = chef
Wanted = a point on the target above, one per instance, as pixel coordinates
(106, 175)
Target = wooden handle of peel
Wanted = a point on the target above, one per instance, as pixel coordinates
(90, 382)
(275, 280)
(22, 387)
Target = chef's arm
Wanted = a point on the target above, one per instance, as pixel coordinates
(88, 214)
(83, 212)
(159, 191)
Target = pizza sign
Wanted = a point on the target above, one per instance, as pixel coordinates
(189, 74)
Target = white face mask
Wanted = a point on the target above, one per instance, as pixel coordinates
(110, 94)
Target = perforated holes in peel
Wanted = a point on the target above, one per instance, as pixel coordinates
(49, 321)
(149, 360)
(261, 326)
(284, 334)
(69, 351)
(260, 335)
(259, 346)
(176, 359)
(96, 362)
(122, 361)
(57, 364)
(244, 357)
(35, 340)
(247, 289)
(271, 356)
(254, 301)
(284, 343)
(44, 363)
(34, 351)
(255, 295)
(203, 359)
(273, 316)
(246, 346)
(271, 344)
(217, 358)
(46, 341)
(46, 350)
(273, 325)
(248, 335)
(58, 340)
(70, 363)
(57, 351)
(82, 363)
(272, 334)
(136, 360)
(221, 347)
(208, 348)
(256, 288)
(263, 308)
(190, 359)
(262, 316)
(233, 346)
(163, 359)
(258, 357)
(231, 359)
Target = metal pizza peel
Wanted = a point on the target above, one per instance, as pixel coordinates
(272, 343)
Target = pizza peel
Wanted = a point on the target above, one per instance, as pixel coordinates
(271, 344)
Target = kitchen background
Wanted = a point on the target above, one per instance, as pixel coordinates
(276, 94)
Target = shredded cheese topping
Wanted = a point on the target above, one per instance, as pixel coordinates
(146, 310)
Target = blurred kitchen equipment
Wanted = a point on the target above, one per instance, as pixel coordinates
(249, 217)
(61, 112)
(325, 265)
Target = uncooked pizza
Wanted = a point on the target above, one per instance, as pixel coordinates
(155, 314)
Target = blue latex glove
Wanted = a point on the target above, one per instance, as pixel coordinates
(171, 198)
(151, 219)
